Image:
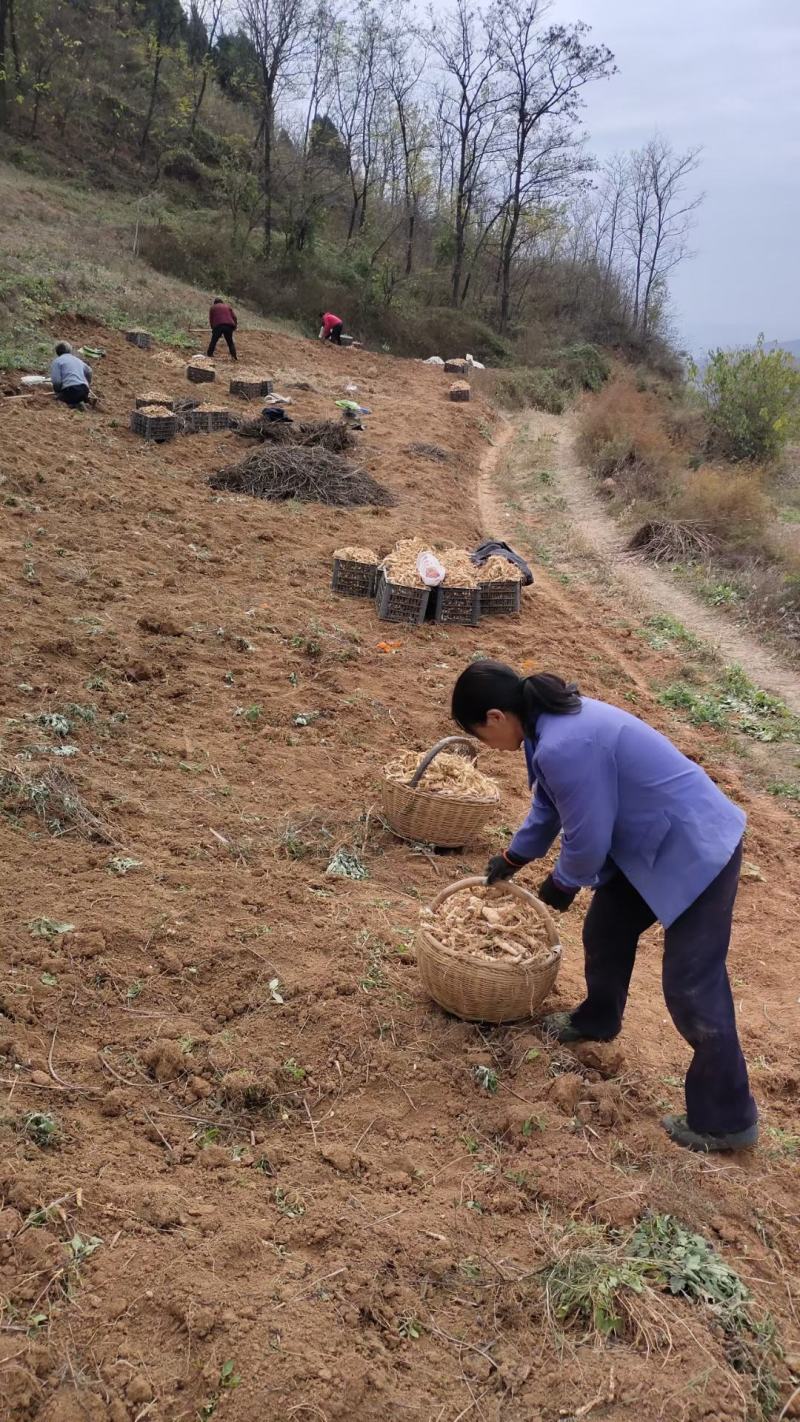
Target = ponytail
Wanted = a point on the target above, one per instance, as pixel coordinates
(493, 686)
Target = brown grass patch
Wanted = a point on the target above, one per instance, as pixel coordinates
(622, 435)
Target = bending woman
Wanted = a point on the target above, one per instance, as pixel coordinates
(654, 837)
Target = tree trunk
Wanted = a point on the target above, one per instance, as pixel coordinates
(269, 129)
(198, 101)
(412, 222)
(4, 6)
(151, 108)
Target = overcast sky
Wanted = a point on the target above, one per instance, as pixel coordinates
(724, 74)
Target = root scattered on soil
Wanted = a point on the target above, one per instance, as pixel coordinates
(326, 434)
(356, 555)
(484, 925)
(304, 474)
(672, 542)
(52, 798)
(434, 452)
(449, 774)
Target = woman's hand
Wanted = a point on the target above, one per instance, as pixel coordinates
(502, 866)
(554, 895)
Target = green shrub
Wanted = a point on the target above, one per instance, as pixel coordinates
(753, 400)
(521, 387)
(582, 366)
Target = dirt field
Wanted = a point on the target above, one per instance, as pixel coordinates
(276, 1189)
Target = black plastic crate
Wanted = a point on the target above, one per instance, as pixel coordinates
(142, 339)
(499, 598)
(395, 603)
(200, 421)
(457, 605)
(354, 579)
(154, 427)
(200, 374)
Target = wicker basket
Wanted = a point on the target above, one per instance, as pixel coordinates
(459, 391)
(478, 989)
(354, 579)
(154, 427)
(200, 374)
(251, 389)
(457, 605)
(395, 603)
(142, 339)
(443, 820)
(200, 421)
(497, 598)
(165, 400)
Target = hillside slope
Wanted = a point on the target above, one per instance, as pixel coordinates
(277, 1191)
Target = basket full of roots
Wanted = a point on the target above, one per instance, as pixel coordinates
(154, 422)
(488, 955)
(440, 798)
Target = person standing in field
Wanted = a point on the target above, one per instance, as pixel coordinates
(332, 327)
(656, 840)
(223, 322)
(71, 377)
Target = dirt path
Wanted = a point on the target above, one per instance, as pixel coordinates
(598, 533)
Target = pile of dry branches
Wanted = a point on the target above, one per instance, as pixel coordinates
(293, 472)
(332, 435)
(670, 541)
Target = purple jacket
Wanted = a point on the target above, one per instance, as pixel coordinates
(625, 797)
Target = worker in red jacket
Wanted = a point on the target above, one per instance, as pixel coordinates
(332, 327)
(222, 320)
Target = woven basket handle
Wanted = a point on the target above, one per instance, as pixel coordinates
(434, 751)
(505, 886)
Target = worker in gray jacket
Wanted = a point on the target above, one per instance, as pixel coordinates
(71, 376)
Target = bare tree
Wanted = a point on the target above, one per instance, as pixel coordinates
(659, 215)
(544, 71)
(277, 30)
(204, 24)
(469, 60)
(405, 63)
(165, 18)
(358, 70)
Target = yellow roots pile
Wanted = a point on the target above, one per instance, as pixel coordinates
(449, 774)
(356, 555)
(488, 924)
(461, 573)
(154, 397)
(159, 410)
(211, 409)
(400, 566)
(205, 361)
(251, 376)
(499, 570)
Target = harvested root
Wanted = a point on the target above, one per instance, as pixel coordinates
(356, 555)
(499, 570)
(461, 572)
(204, 361)
(449, 774)
(158, 410)
(485, 924)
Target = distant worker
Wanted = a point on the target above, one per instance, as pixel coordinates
(223, 322)
(71, 377)
(332, 327)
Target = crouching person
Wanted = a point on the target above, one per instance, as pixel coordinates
(71, 377)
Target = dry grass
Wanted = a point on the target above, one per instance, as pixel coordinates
(622, 435)
(52, 798)
(731, 505)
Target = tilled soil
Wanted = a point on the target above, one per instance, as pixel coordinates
(277, 1189)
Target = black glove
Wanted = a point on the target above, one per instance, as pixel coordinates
(554, 896)
(502, 866)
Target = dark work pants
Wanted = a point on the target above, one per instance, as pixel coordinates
(335, 334)
(696, 989)
(227, 331)
(73, 394)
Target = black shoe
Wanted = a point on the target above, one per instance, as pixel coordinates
(679, 1131)
(558, 1026)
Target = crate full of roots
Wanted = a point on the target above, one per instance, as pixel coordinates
(154, 422)
(354, 571)
(139, 338)
(400, 593)
(440, 798)
(205, 419)
(458, 596)
(488, 955)
(156, 397)
(201, 370)
(500, 586)
(251, 385)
